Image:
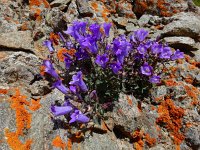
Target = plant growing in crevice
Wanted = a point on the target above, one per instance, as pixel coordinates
(95, 71)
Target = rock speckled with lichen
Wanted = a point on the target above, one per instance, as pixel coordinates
(134, 123)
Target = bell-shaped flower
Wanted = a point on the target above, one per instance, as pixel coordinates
(95, 29)
(142, 49)
(155, 79)
(47, 67)
(146, 69)
(101, 60)
(177, 55)
(49, 45)
(165, 53)
(78, 81)
(67, 62)
(156, 48)
(90, 43)
(79, 117)
(116, 66)
(60, 110)
(141, 34)
(58, 84)
(106, 27)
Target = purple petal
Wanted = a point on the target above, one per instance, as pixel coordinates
(141, 34)
(81, 118)
(106, 27)
(60, 110)
(155, 79)
(146, 69)
(177, 55)
(49, 45)
(58, 84)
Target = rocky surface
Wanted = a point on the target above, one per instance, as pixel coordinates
(168, 119)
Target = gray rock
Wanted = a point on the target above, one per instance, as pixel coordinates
(57, 3)
(182, 43)
(131, 27)
(193, 137)
(196, 55)
(17, 40)
(18, 67)
(184, 24)
(83, 8)
(40, 88)
(42, 127)
(144, 20)
(120, 21)
(126, 110)
(100, 142)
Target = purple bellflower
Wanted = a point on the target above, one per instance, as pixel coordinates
(142, 49)
(67, 62)
(156, 48)
(165, 53)
(48, 68)
(107, 27)
(121, 48)
(95, 29)
(177, 55)
(90, 43)
(101, 60)
(116, 66)
(60, 110)
(146, 69)
(49, 45)
(78, 81)
(141, 34)
(79, 117)
(58, 84)
(77, 30)
(155, 79)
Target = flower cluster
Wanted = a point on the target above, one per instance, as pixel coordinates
(106, 66)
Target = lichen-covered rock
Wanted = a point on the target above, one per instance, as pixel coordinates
(159, 7)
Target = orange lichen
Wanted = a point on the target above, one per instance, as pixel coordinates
(35, 105)
(14, 142)
(192, 92)
(129, 101)
(60, 54)
(23, 117)
(159, 98)
(39, 3)
(150, 141)
(94, 6)
(170, 82)
(23, 122)
(189, 79)
(57, 142)
(192, 67)
(42, 70)
(24, 26)
(171, 116)
(54, 37)
(3, 91)
(69, 144)
(62, 51)
(137, 137)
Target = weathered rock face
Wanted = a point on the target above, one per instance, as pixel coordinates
(159, 7)
(184, 24)
(154, 123)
